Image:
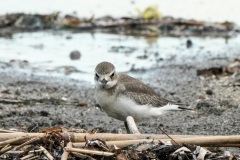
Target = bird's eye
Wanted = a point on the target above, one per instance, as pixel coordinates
(112, 75)
(97, 75)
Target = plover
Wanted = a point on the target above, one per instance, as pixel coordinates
(120, 95)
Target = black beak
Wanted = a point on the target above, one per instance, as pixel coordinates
(104, 81)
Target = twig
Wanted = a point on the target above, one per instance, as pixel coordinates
(83, 156)
(32, 151)
(132, 125)
(8, 131)
(101, 153)
(17, 139)
(27, 156)
(120, 144)
(26, 143)
(35, 157)
(47, 154)
(169, 136)
(2, 151)
(79, 137)
(65, 153)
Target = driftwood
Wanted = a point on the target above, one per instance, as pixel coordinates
(80, 137)
(86, 151)
(14, 140)
(47, 154)
(26, 143)
(5, 149)
(218, 141)
(19, 138)
(65, 153)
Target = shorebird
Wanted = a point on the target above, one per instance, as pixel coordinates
(120, 95)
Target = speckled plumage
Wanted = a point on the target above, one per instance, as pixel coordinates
(104, 68)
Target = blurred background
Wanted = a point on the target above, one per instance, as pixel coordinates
(69, 37)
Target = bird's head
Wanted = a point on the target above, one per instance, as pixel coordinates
(105, 75)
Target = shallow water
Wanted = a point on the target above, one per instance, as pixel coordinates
(47, 50)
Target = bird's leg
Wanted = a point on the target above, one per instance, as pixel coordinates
(126, 126)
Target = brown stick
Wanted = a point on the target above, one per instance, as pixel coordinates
(47, 154)
(65, 153)
(86, 151)
(169, 136)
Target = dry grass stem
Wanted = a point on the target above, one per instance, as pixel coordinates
(83, 156)
(66, 153)
(26, 143)
(86, 151)
(10, 141)
(47, 154)
(27, 156)
(2, 151)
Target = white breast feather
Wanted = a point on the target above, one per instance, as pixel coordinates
(122, 106)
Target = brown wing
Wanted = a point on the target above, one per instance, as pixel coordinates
(141, 93)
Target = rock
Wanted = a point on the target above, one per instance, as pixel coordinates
(75, 55)
(189, 43)
(210, 71)
(209, 92)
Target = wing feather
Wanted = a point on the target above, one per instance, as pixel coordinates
(141, 93)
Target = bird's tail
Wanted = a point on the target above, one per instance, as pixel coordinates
(175, 107)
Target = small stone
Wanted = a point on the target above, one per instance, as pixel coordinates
(75, 55)
(69, 37)
(209, 92)
(189, 43)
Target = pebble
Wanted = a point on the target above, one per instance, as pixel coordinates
(75, 55)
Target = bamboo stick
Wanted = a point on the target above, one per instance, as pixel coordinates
(65, 153)
(47, 154)
(32, 151)
(80, 137)
(10, 141)
(27, 156)
(132, 125)
(7, 136)
(83, 156)
(120, 144)
(35, 157)
(212, 140)
(86, 151)
(26, 143)
(215, 141)
(8, 131)
(2, 151)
